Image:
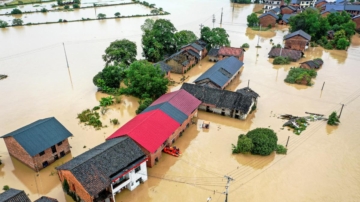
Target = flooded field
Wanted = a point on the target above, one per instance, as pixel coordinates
(321, 165)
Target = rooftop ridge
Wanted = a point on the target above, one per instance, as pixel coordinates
(19, 131)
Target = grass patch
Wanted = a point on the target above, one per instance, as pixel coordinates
(259, 11)
(281, 60)
(258, 28)
(280, 149)
(91, 118)
(300, 76)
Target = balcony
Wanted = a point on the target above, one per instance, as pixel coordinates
(121, 184)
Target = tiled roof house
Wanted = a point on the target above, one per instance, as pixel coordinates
(14, 195)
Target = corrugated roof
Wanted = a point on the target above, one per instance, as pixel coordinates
(14, 195)
(275, 10)
(269, 13)
(40, 135)
(336, 7)
(170, 110)
(46, 199)
(299, 32)
(294, 55)
(352, 7)
(150, 129)
(216, 73)
(213, 52)
(330, 11)
(180, 99)
(230, 51)
(286, 17)
(96, 168)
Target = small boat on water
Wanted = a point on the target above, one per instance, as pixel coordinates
(174, 151)
(206, 124)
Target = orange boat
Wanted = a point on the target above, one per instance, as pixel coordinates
(172, 151)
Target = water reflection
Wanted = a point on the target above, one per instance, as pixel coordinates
(254, 161)
(330, 129)
(339, 55)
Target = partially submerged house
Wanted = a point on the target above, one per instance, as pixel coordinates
(293, 55)
(298, 40)
(272, 4)
(181, 61)
(312, 64)
(220, 74)
(288, 10)
(356, 19)
(105, 170)
(217, 54)
(327, 12)
(14, 195)
(46, 199)
(198, 46)
(213, 54)
(39, 144)
(285, 18)
(165, 68)
(320, 3)
(268, 19)
(352, 9)
(237, 105)
(276, 10)
(161, 124)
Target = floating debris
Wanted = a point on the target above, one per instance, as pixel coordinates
(300, 124)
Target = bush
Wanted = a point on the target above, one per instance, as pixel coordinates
(75, 6)
(342, 44)
(16, 11)
(300, 76)
(3, 24)
(328, 46)
(117, 14)
(245, 45)
(60, 20)
(101, 16)
(281, 149)
(44, 10)
(6, 187)
(66, 7)
(90, 118)
(106, 101)
(114, 121)
(264, 141)
(244, 145)
(333, 119)
(143, 105)
(60, 2)
(281, 60)
(96, 108)
(77, 2)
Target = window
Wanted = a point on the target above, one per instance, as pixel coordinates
(42, 153)
(60, 143)
(45, 163)
(137, 169)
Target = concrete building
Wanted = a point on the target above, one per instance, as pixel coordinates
(161, 124)
(14, 195)
(298, 40)
(105, 170)
(198, 46)
(271, 4)
(220, 74)
(237, 105)
(39, 144)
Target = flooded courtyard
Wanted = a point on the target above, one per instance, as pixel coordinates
(322, 163)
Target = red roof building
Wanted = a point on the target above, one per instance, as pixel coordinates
(180, 99)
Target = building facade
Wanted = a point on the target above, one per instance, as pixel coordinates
(268, 19)
(298, 40)
(271, 4)
(39, 144)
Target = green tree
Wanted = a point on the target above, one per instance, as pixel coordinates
(120, 51)
(6, 187)
(16, 11)
(60, 2)
(17, 22)
(66, 7)
(333, 119)
(101, 16)
(215, 37)
(77, 2)
(184, 37)
(143, 77)
(76, 6)
(43, 10)
(339, 35)
(158, 40)
(111, 76)
(252, 20)
(244, 145)
(117, 14)
(148, 25)
(143, 105)
(342, 44)
(3, 24)
(264, 140)
(106, 101)
(280, 149)
(66, 186)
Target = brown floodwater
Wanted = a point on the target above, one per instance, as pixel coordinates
(322, 163)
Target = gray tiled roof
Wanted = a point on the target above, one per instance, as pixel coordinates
(170, 110)
(222, 71)
(95, 168)
(213, 52)
(353, 7)
(40, 135)
(220, 98)
(331, 11)
(46, 199)
(248, 92)
(193, 53)
(163, 66)
(14, 195)
(319, 1)
(299, 32)
(286, 17)
(269, 13)
(196, 46)
(294, 55)
(276, 10)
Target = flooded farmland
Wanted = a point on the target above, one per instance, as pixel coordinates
(322, 163)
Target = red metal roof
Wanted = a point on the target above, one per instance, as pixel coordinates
(230, 51)
(180, 99)
(150, 129)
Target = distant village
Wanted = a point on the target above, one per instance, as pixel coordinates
(121, 162)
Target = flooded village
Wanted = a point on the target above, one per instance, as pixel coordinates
(214, 95)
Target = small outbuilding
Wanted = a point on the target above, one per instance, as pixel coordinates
(198, 46)
(312, 64)
(213, 54)
(165, 68)
(356, 19)
(298, 40)
(288, 10)
(39, 144)
(14, 195)
(285, 18)
(293, 55)
(268, 19)
(182, 60)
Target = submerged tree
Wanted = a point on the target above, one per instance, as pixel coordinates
(3, 24)
(244, 145)
(264, 140)
(120, 51)
(333, 119)
(215, 37)
(184, 37)
(252, 20)
(17, 22)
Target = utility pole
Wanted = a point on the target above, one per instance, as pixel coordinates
(341, 110)
(259, 38)
(221, 16)
(227, 186)
(287, 141)
(248, 83)
(323, 86)
(95, 9)
(201, 26)
(66, 56)
(213, 20)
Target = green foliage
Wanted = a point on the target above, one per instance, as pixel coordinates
(43, 10)
(114, 121)
(158, 39)
(143, 104)
(252, 20)
(16, 11)
(120, 51)
(101, 16)
(302, 123)
(241, 1)
(184, 37)
(3, 24)
(264, 141)
(106, 101)
(60, 20)
(244, 145)
(60, 2)
(333, 119)
(96, 108)
(90, 118)
(143, 77)
(75, 6)
(155, 11)
(17, 22)
(342, 44)
(300, 76)
(66, 7)
(117, 14)
(328, 46)
(280, 149)
(66, 186)
(281, 60)
(6, 187)
(77, 2)
(245, 45)
(215, 37)
(110, 76)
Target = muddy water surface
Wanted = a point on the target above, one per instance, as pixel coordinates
(321, 164)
